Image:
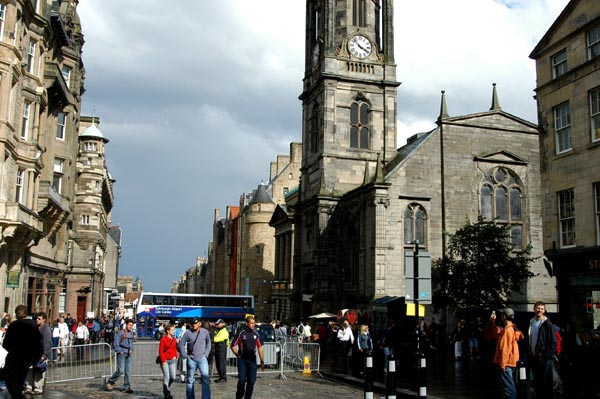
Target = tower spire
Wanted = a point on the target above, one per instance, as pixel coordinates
(443, 108)
(495, 104)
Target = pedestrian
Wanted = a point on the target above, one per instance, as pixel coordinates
(63, 336)
(221, 344)
(346, 340)
(542, 350)
(5, 321)
(244, 347)
(387, 343)
(195, 347)
(55, 339)
(36, 375)
(181, 363)
(167, 351)
(109, 331)
(365, 346)
(23, 342)
(82, 335)
(307, 333)
(507, 351)
(123, 346)
(457, 337)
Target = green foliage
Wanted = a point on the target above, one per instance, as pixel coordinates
(481, 269)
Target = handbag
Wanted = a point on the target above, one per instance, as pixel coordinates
(41, 365)
(158, 360)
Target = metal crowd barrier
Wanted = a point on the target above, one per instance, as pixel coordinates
(99, 361)
(78, 362)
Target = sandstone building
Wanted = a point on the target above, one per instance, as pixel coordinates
(362, 203)
(42, 197)
(568, 98)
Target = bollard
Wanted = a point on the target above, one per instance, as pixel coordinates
(422, 376)
(522, 381)
(369, 376)
(390, 378)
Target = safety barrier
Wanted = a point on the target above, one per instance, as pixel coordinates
(79, 362)
(99, 361)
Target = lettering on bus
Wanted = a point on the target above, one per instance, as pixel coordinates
(594, 264)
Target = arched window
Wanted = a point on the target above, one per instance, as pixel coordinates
(501, 199)
(359, 125)
(415, 224)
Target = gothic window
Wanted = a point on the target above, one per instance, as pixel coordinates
(415, 219)
(359, 12)
(359, 125)
(501, 199)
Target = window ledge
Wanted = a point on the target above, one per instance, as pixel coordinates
(563, 154)
(593, 144)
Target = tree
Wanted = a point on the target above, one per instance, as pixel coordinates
(481, 268)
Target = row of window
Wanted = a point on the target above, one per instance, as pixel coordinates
(61, 122)
(562, 112)
(566, 216)
(562, 122)
(57, 179)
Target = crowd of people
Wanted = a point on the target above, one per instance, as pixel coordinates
(31, 342)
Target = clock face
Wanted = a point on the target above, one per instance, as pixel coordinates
(359, 46)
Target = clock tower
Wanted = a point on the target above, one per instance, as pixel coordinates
(349, 102)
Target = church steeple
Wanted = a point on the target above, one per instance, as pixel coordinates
(349, 96)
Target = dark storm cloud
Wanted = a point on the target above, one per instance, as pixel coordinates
(197, 97)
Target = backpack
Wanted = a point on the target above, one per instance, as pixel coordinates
(300, 329)
(558, 342)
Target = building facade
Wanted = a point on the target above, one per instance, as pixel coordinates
(568, 98)
(362, 203)
(41, 87)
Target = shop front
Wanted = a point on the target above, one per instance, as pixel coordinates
(578, 282)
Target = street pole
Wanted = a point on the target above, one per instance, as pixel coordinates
(421, 361)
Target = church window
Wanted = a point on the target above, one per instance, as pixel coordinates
(359, 125)
(501, 199)
(415, 219)
(359, 12)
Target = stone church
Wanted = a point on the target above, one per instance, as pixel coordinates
(362, 204)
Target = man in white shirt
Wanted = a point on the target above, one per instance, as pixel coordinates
(63, 336)
(346, 338)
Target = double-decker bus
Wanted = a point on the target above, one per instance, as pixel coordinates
(155, 307)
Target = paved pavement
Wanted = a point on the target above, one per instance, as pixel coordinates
(446, 379)
(267, 387)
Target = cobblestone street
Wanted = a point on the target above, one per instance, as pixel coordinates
(267, 387)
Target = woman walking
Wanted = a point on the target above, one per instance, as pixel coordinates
(167, 350)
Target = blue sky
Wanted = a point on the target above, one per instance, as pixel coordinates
(198, 97)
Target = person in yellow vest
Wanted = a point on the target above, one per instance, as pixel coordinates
(221, 340)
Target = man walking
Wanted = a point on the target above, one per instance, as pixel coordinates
(542, 348)
(123, 346)
(37, 373)
(244, 348)
(23, 342)
(221, 344)
(195, 347)
(507, 351)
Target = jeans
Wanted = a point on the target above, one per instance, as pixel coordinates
(169, 370)
(123, 365)
(508, 382)
(192, 365)
(246, 378)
